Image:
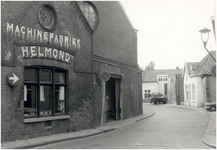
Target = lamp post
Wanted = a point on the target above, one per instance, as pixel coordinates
(205, 37)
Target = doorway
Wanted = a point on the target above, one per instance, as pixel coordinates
(113, 92)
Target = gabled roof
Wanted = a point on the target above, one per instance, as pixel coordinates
(206, 63)
(151, 75)
(135, 30)
(202, 67)
(192, 67)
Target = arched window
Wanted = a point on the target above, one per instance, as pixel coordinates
(90, 13)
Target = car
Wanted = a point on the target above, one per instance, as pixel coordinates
(157, 97)
(210, 106)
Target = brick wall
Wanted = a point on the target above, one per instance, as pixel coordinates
(113, 39)
(79, 86)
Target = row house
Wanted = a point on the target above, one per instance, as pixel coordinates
(200, 81)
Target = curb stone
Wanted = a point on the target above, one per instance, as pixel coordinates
(30, 144)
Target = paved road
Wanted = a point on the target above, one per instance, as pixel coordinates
(168, 128)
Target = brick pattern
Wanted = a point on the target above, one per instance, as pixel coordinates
(115, 41)
(79, 104)
(114, 38)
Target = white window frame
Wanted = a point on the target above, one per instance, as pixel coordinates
(147, 92)
(162, 78)
(186, 91)
(193, 91)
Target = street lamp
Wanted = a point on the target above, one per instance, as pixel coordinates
(205, 37)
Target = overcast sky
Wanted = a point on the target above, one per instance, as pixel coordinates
(168, 31)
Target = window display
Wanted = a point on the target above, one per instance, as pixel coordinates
(44, 92)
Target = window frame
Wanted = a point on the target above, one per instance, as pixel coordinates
(162, 78)
(86, 15)
(189, 88)
(53, 85)
(186, 91)
(147, 93)
(193, 91)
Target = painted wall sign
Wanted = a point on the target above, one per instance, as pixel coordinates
(44, 52)
(34, 35)
(13, 79)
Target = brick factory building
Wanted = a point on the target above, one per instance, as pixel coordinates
(59, 60)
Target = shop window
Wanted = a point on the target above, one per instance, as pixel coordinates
(89, 12)
(44, 92)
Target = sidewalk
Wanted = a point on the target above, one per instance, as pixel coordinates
(74, 135)
(209, 137)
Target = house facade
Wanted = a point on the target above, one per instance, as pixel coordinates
(54, 55)
(164, 81)
(199, 81)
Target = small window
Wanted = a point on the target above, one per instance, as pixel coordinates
(186, 91)
(147, 93)
(89, 12)
(189, 92)
(162, 77)
(193, 92)
(45, 96)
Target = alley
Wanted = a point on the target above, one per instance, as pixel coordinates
(168, 128)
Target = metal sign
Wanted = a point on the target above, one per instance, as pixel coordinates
(105, 76)
(13, 79)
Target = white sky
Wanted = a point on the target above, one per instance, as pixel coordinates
(168, 31)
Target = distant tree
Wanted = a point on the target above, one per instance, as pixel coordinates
(150, 66)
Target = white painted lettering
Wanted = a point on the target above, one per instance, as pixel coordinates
(39, 52)
(45, 37)
(10, 28)
(17, 31)
(74, 42)
(47, 52)
(66, 41)
(78, 43)
(51, 37)
(55, 53)
(61, 40)
(33, 53)
(70, 40)
(67, 57)
(61, 55)
(22, 29)
(39, 35)
(29, 33)
(25, 51)
(56, 39)
(34, 35)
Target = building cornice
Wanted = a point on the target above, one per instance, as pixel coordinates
(114, 63)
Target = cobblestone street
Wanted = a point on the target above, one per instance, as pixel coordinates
(168, 128)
